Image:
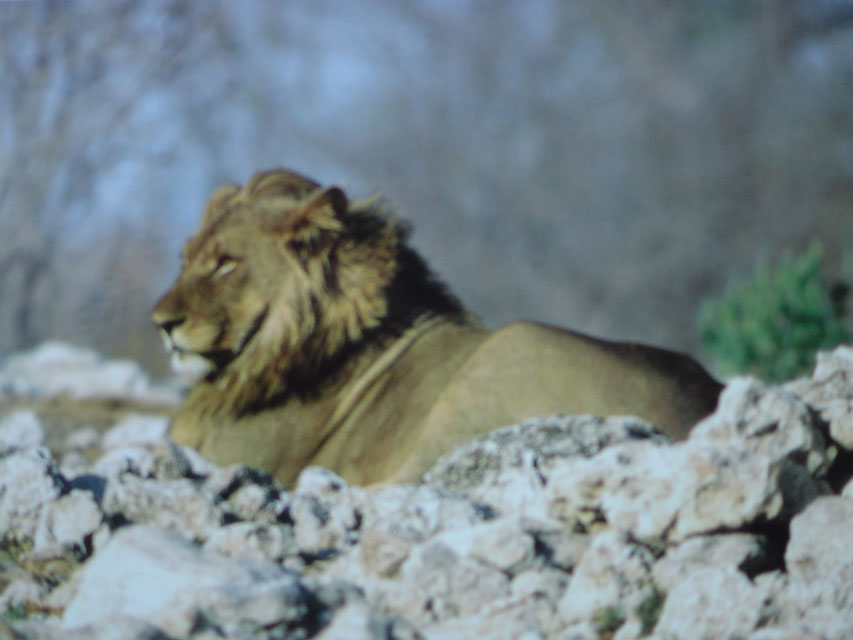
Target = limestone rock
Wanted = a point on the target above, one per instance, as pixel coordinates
(778, 633)
(139, 461)
(358, 621)
(157, 576)
(20, 429)
(68, 521)
(416, 513)
(28, 482)
(55, 368)
(758, 454)
(507, 468)
(818, 597)
(769, 420)
(164, 460)
(323, 513)
(84, 438)
(20, 592)
(830, 391)
(630, 486)
(136, 429)
(737, 550)
(560, 528)
(118, 627)
(177, 505)
(712, 602)
(253, 540)
(817, 547)
(614, 575)
(249, 494)
(436, 583)
(500, 543)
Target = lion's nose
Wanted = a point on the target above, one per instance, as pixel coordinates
(168, 325)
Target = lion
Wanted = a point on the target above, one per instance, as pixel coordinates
(317, 336)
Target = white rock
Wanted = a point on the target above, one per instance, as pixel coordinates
(580, 631)
(61, 595)
(136, 429)
(199, 466)
(28, 482)
(503, 621)
(668, 491)
(67, 521)
(613, 573)
(766, 419)
(55, 368)
(21, 429)
(818, 608)
(547, 582)
(382, 554)
(83, 438)
(508, 467)
(778, 633)
(157, 576)
(563, 548)
(254, 541)
(323, 512)
(728, 550)
(416, 513)
(501, 544)
(178, 505)
(838, 413)
(257, 503)
(164, 460)
(437, 584)
(117, 627)
(248, 493)
(139, 461)
(356, 620)
(711, 602)
(830, 391)
(817, 593)
(73, 463)
(20, 592)
(819, 546)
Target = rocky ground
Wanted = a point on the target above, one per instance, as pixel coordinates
(561, 527)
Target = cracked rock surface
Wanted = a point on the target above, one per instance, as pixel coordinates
(561, 527)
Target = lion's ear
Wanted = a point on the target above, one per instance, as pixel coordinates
(216, 204)
(316, 220)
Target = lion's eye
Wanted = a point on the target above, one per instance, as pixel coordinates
(224, 266)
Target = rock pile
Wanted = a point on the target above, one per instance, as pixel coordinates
(561, 527)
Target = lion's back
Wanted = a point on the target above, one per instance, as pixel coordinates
(526, 369)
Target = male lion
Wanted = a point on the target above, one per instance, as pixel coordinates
(319, 337)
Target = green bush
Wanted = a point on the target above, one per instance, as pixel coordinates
(772, 325)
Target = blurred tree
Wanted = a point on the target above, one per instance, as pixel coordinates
(588, 163)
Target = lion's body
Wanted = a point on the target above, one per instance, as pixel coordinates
(380, 372)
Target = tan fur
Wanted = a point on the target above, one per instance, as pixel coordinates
(324, 340)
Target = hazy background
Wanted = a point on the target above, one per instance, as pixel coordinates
(599, 164)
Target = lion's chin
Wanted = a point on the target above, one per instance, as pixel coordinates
(190, 367)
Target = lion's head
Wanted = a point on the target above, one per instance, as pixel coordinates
(281, 277)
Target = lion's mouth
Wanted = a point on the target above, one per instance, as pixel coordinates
(192, 365)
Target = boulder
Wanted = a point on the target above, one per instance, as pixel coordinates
(151, 574)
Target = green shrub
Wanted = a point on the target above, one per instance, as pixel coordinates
(772, 325)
